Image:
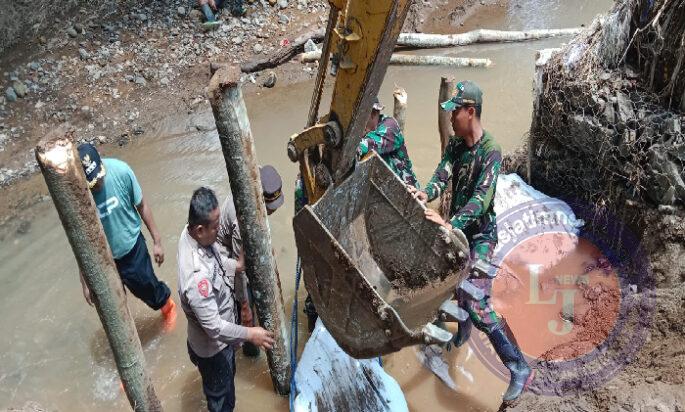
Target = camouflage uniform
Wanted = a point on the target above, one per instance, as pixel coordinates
(473, 172)
(387, 140)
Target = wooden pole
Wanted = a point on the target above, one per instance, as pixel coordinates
(447, 87)
(426, 40)
(61, 168)
(399, 109)
(398, 59)
(233, 125)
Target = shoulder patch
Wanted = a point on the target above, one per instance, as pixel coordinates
(203, 287)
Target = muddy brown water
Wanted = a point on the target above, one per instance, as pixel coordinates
(54, 350)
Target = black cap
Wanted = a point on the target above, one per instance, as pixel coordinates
(272, 185)
(91, 162)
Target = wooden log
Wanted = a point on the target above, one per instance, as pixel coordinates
(233, 125)
(399, 109)
(63, 173)
(284, 54)
(447, 88)
(412, 60)
(425, 40)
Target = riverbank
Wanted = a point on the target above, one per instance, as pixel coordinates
(112, 74)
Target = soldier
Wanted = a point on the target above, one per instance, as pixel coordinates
(121, 205)
(229, 237)
(471, 163)
(206, 287)
(383, 135)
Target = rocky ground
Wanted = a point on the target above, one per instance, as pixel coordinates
(111, 71)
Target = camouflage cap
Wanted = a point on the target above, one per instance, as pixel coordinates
(467, 93)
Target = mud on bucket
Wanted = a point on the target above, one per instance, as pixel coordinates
(376, 269)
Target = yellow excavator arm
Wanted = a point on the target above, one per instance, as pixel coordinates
(378, 272)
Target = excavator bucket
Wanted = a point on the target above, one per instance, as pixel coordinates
(378, 272)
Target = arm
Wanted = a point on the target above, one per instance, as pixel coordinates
(146, 214)
(383, 140)
(443, 173)
(483, 194)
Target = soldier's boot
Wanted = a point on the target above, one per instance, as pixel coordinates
(463, 333)
(513, 359)
(169, 315)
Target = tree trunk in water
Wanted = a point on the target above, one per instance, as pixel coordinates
(447, 88)
(233, 125)
(425, 40)
(63, 173)
(399, 109)
(411, 60)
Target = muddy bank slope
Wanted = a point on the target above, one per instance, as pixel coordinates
(607, 132)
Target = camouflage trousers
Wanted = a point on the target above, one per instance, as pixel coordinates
(481, 312)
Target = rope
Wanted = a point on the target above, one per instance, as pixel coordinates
(293, 336)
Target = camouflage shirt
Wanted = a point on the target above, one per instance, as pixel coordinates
(387, 140)
(473, 172)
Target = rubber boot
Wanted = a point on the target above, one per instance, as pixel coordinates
(169, 314)
(463, 333)
(513, 359)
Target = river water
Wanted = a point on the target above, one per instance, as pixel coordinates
(55, 351)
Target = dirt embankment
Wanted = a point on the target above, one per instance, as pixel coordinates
(584, 149)
(113, 69)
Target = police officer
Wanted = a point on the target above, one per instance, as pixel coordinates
(206, 287)
(471, 164)
(229, 238)
(121, 205)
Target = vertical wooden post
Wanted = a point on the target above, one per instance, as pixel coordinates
(444, 124)
(399, 109)
(233, 125)
(445, 129)
(61, 168)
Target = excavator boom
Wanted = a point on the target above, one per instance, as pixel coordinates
(378, 272)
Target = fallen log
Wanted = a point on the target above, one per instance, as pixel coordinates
(416, 40)
(425, 40)
(411, 60)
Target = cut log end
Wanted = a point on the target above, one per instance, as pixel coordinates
(400, 95)
(224, 77)
(56, 150)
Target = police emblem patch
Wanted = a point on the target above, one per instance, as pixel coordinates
(203, 287)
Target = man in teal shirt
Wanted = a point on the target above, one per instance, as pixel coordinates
(120, 204)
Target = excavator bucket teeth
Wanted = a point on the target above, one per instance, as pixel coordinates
(451, 312)
(376, 269)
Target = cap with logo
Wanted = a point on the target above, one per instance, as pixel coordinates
(467, 93)
(272, 185)
(91, 162)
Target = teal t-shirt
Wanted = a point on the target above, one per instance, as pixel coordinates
(116, 202)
